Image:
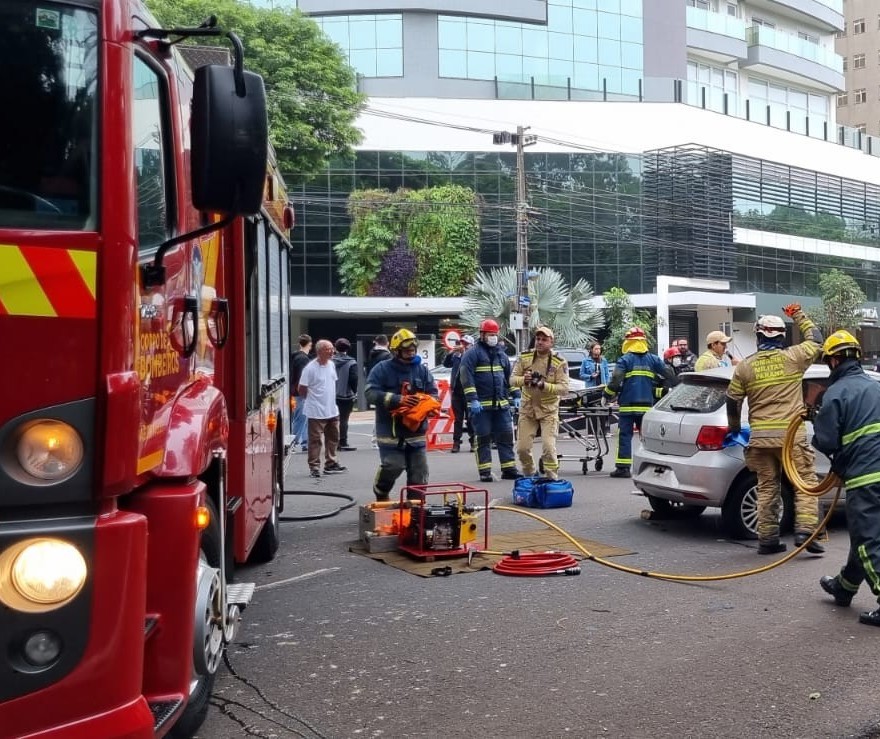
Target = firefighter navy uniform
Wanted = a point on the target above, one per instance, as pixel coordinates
(847, 429)
(539, 408)
(485, 378)
(399, 448)
(636, 376)
(771, 380)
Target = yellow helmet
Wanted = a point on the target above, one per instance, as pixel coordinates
(841, 343)
(401, 339)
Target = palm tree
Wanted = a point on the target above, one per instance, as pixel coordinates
(569, 311)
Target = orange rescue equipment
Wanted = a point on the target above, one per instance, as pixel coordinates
(414, 416)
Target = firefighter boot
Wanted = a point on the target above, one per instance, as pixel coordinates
(620, 470)
(770, 546)
(832, 586)
(814, 546)
(872, 618)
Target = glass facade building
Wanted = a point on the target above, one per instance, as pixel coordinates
(616, 219)
(584, 42)
(622, 217)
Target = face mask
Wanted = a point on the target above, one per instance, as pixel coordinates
(492, 340)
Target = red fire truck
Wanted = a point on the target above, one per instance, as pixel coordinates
(144, 334)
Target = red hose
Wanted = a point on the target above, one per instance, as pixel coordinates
(537, 564)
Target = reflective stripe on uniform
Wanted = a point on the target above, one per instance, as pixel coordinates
(871, 428)
(870, 572)
(640, 373)
(862, 480)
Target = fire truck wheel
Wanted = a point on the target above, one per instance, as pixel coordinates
(208, 636)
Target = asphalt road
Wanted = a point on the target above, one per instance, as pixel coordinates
(337, 645)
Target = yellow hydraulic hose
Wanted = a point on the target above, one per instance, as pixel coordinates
(820, 489)
(831, 479)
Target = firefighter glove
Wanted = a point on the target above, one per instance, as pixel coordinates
(516, 402)
(791, 309)
(475, 408)
(410, 401)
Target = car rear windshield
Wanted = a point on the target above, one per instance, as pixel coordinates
(695, 397)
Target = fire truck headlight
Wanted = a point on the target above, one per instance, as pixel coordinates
(38, 575)
(49, 450)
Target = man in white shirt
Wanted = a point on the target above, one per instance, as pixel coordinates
(318, 385)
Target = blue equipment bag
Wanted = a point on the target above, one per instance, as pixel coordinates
(524, 492)
(541, 492)
(554, 494)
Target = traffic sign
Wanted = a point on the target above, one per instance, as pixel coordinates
(451, 339)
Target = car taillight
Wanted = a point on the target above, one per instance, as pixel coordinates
(711, 438)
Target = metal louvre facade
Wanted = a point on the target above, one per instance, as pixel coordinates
(687, 201)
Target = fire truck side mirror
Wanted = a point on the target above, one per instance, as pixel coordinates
(230, 138)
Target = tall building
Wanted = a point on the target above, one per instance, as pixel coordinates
(694, 141)
(858, 42)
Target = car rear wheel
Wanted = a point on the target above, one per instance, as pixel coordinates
(739, 514)
(674, 508)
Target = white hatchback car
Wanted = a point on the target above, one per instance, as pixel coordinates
(681, 465)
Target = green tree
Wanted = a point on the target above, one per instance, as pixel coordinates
(439, 225)
(310, 88)
(569, 311)
(620, 316)
(842, 299)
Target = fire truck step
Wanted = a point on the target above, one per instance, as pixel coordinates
(163, 710)
(240, 593)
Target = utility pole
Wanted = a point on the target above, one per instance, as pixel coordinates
(519, 316)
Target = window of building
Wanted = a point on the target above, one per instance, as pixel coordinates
(779, 106)
(845, 63)
(803, 35)
(862, 128)
(841, 33)
(733, 10)
(581, 47)
(762, 23)
(860, 96)
(858, 61)
(859, 25)
(372, 43)
(842, 99)
(716, 81)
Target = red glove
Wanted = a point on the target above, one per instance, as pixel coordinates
(791, 309)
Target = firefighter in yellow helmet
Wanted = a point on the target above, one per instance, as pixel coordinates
(636, 376)
(847, 429)
(771, 380)
(392, 384)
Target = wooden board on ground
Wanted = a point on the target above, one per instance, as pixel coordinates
(538, 540)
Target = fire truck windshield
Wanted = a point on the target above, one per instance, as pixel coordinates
(48, 131)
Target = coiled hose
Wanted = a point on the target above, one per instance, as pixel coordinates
(831, 480)
(537, 564)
